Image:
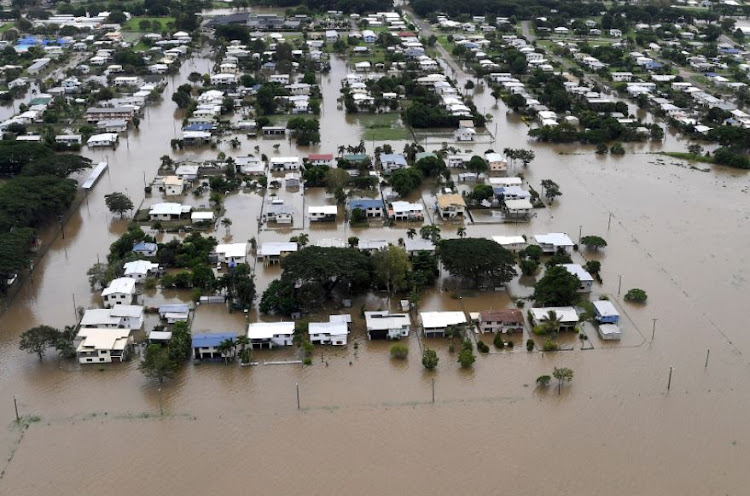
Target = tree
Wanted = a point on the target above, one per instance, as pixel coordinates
(594, 242)
(38, 339)
(430, 166)
(399, 351)
(530, 345)
(526, 156)
(466, 358)
(529, 267)
(404, 181)
(279, 298)
(543, 380)
(461, 232)
(357, 216)
(226, 222)
(695, 149)
(63, 342)
(601, 149)
(551, 322)
(429, 359)
(181, 98)
(593, 267)
(636, 295)
(480, 260)
(477, 164)
(551, 189)
(118, 203)
(431, 232)
(227, 348)
(391, 268)
(411, 232)
(617, 149)
(563, 374)
(61, 165)
(336, 179)
(245, 353)
(557, 288)
(239, 286)
(157, 364)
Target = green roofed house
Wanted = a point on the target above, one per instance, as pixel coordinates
(356, 158)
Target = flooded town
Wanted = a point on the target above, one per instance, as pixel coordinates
(404, 238)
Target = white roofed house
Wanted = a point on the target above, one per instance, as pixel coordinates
(168, 211)
(552, 242)
(103, 345)
(121, 291)
(416, 245)
(173, 186)
(518, 209)
(405, 211)
(117, 317)
(231, 253)
(334, 333)
(279, 212)
(139, 270)
(322, 213)
(270, 334)
(434, 324)
(497, 163)
(587, 281)
(567, 315)
(512, 243)
(386, 325)
(271, 252)
(285, 163)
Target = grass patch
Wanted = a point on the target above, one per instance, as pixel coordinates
(689, 156)
(133, 24)
(140, 47)
(7, 27)
(383, 127)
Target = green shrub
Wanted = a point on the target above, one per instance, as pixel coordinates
(399, 351)
(530, 345)
(482, 347)
(429, 359)
(498, 341)
(509, 344)
(307, 361)
(466, 358)
(543, 380)
(636, 295)
(467, 345)
(539, 330)
(550, 345)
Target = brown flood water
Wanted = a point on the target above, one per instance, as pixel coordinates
(368, 424)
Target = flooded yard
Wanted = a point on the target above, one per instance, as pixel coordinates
(367, 423)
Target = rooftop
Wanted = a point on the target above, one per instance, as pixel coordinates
(211, 340)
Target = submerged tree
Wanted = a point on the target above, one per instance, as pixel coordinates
(157, 364)
(563, 374)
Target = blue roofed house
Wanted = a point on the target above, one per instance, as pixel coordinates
(371, 207)
(146, 249)
(606, 313)
(206, 346)
(391, 162)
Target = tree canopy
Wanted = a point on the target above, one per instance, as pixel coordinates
(557, 288)
(477, 259)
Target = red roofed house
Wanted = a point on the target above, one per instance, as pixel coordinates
(324, 159)
(407, 34)
(506, 320)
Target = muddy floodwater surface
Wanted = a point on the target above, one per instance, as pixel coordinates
(367, 424)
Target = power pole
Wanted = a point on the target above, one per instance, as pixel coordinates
(653, 328)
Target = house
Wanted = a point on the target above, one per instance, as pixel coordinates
(323, 213)
(279, 78)
(271, 252)
(173, 186)
(416, 245)
(206, 346)
(371, 207)
(145, 249)
(320, 159)
(518, 209)
(68, 139)
(334, 333)
(386, 325)
(117, 317)
(96, 114)
(567, 315)
(369, 36)
(270, 334)
(196, 138)
(112, 126)
(231, 253)
(173, 313)
(512, 243)
(392, 161)
(372, 245)
(277, 211)
(285, 163)
(609, 332)
(139, 270)
(121, 291)
(464, 134)
(434, 324)
(497, 162)
(103, 345)
(202, 217)
(406, 211)
(451, 206)
(168, 211)
(586, 280)
(605, 312)
(505, 320)
(251, 165)
(622, 77)
(552, 242)
(223, 79)
(291, 180)
(103, 140)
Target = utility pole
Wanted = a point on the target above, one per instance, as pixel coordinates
(619, 284)
(653, 328)
(433, 391)
(609, 222)
(708, 352)
(298, 396)
(669, 383)
(75, 309)
(18, 417)
(580, 230)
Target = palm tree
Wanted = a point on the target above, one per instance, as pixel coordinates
(226, 222)
(166, 161)
(411, 232)
(551, 322)
(245, 353)
(235, 142)
(342, 149)
(226, 348)
(461, 232)
(302, 239)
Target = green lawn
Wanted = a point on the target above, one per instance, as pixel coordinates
(6, 26)
(383, 127)
(689, 156)
(133, 23)
(140, 46)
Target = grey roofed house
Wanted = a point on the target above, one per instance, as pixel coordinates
(239, 18)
